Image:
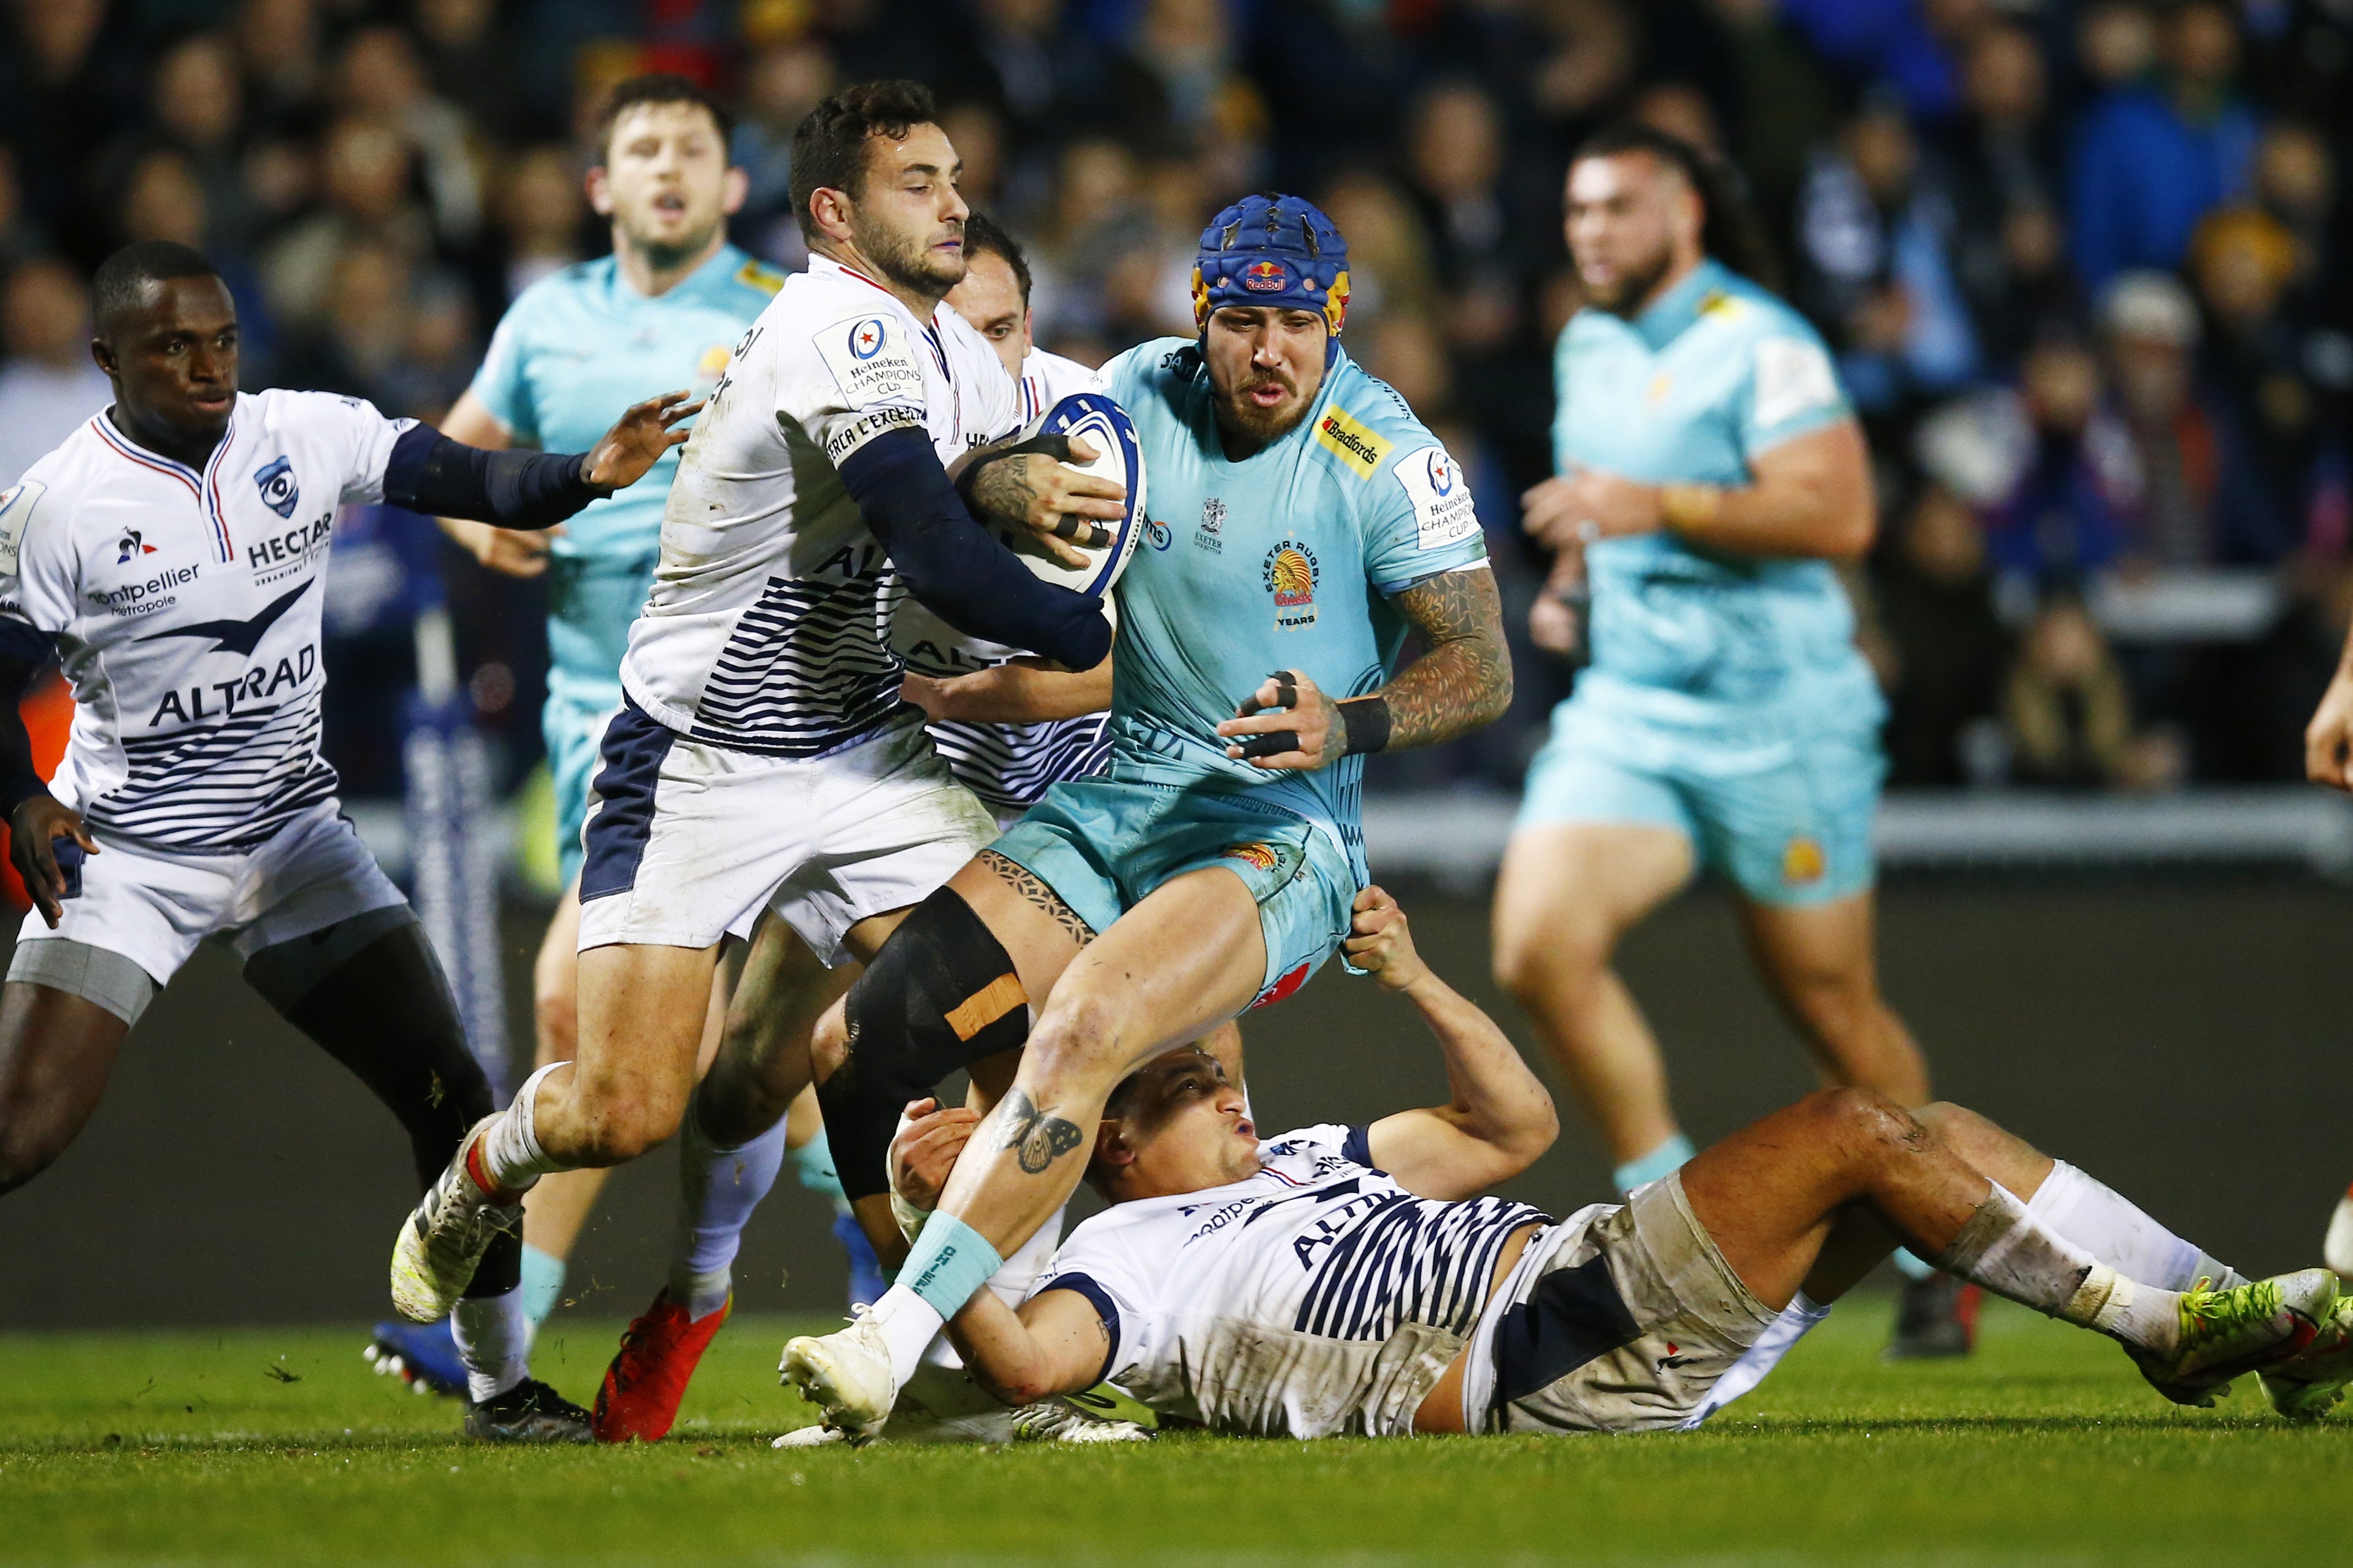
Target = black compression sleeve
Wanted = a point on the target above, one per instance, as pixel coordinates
(429, 472)
(954, 567)
(18, 781)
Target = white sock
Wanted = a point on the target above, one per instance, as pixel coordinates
(1780, 1337)
(1016, 1274)
(909, 1324)
(718, 1189)
(2014, 1255)
(512, 1156)
(2110, 1227)
(493, 1335)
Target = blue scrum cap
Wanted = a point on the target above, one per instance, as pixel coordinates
(1272, 249)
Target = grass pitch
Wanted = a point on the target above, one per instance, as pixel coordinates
(280, 1447)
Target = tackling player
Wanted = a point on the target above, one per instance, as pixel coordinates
(1711, 472)
(1341, 1280)
(1306, 521)
(763, 757)
(172, 553)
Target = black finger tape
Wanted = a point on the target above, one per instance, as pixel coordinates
(1272, 743)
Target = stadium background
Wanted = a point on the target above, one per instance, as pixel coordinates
(2082, 262)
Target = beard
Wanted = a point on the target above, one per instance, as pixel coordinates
(1634, 286)
(909, 261)
(667, 254)
(1263, 426)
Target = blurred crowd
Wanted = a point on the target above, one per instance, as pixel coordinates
(2075, 259)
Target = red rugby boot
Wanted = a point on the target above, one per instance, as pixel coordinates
(649, 1373)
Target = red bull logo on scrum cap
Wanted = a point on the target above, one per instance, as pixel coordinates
(1266, 278)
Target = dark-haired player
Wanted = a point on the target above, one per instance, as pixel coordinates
(763, 757)
(172, 553)
(1711, 473)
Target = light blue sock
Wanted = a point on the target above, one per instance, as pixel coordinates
(813, 1164)
(950, 1261)
(1662, 1162)
(1912, 1268)
(543, 1283)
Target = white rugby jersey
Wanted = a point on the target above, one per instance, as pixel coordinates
(768, 626)
(1008, 766)
(184, 608)
(1315, 1299)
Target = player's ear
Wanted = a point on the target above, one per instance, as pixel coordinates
(830, 208)
(734, 190)
(103, 357)
(600, 192)
(1112, 1147)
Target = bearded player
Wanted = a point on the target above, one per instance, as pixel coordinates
(172, 553)
(1711, 474)
(1306, 521)
(763, 759)
(663, 309)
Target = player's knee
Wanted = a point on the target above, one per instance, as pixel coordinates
(625, 1129)
(830, 1042)
(1547, 968)
(555, 1019)
(1834, 1002)
(1080, 1038)
(1863, 1119)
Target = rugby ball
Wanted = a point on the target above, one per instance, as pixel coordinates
(1094, 418)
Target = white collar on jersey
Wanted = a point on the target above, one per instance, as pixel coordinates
(205, 487)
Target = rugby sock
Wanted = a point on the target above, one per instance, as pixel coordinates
(718, 1189)
(1909, 1264)
(1012, 1281)
(2006, 1249)
(1660, 1162)
(2106, 1223)
(813, 1168)
(493, 1335)
(543, 1283)
(909, 1325)
(509, 1155)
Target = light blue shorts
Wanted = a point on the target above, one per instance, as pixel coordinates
(1787, 822)
(574, 728)
(1103, 846)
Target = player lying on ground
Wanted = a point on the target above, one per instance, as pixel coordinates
(1314, 521)
(1349, 1280)
(172, 553)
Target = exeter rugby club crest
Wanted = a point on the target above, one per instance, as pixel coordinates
(1290, 575)
(1209, 535)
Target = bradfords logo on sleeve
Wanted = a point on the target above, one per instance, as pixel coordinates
(869, 362)
(1442, 509)
(1290, 575)
(276, 482)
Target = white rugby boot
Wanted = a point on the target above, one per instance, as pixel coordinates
(846, 1374)
(2336, 1251)
(443, 1237)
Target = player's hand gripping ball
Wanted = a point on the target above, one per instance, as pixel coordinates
(1100, 540)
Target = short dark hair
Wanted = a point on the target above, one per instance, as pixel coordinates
(1730, 232)
(659, 87)
(829, 148)
(982, 237)
(123, 278)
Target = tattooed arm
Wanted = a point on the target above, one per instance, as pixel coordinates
(1019, 486)
(1463, 681)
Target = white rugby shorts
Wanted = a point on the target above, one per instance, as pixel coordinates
(153, 905)
(687, 841)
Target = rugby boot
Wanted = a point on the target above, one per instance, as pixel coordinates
(846, 1374)
(443, 1238)
(422, 1355)
(2227, 1332)
(530, 1412)
(658, 1354)
(2304, 1386)
(1100, 1415)
(1936, 1319)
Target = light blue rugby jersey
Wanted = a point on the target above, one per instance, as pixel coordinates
(1691, 391)
(1280, 561)
(577, 348)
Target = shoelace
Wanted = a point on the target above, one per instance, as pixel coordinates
(2208, 1313)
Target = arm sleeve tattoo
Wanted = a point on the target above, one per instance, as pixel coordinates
(1463, 679)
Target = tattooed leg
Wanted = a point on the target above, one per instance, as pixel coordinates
(1168, 971)
(1027, 888)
